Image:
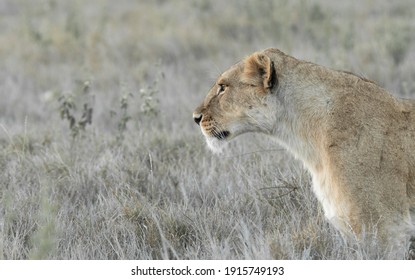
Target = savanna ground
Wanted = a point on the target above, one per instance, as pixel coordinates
(100, 157)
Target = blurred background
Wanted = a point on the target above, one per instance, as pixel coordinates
(96, 101)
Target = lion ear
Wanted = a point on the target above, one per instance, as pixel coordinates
(259, 71)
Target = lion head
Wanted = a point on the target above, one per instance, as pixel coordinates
(239, 102)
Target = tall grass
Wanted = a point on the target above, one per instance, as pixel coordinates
(99, 155)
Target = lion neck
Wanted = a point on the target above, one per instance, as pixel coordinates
(302, 114)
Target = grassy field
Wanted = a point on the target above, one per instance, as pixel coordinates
(100, 157)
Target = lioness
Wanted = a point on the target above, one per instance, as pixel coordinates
(356, 139)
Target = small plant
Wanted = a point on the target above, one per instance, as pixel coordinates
(68, 109)
(149, 105)
(149, 97)
(150, 102)
(124, 115)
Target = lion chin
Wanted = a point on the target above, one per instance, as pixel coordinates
(216, 145)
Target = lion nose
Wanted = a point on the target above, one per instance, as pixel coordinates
(197, 117)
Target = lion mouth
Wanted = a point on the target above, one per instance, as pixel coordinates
(221, 135)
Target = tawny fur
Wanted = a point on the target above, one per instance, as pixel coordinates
(355, 138)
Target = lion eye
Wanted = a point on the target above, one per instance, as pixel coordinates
(221, 89)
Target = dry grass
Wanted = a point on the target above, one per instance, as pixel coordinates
(136, 181)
